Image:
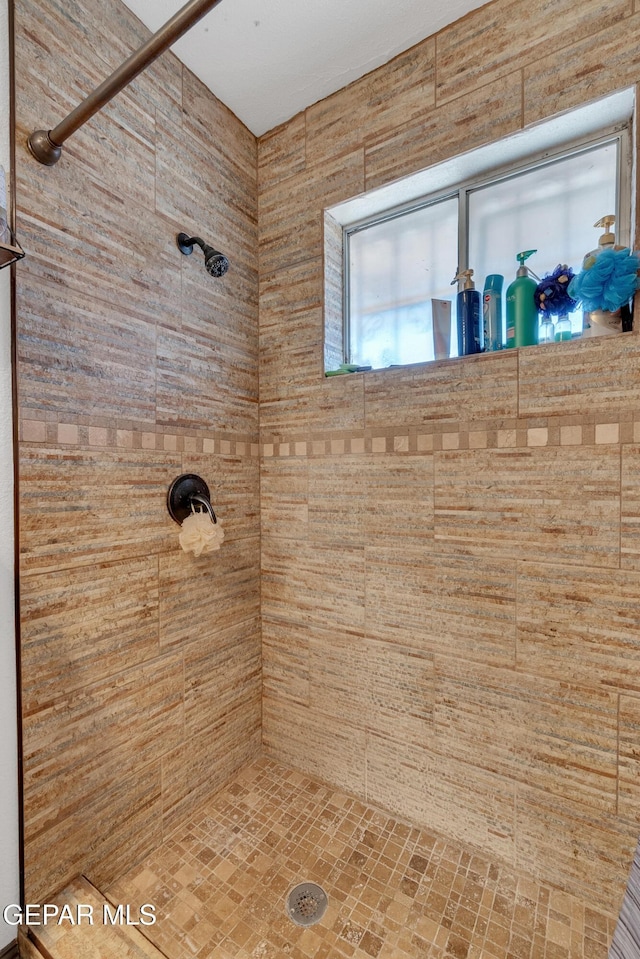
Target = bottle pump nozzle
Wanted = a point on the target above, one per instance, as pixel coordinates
(466, 276)
(522, 269)
(607, 238)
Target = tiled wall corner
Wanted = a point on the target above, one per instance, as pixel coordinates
(133, 366)
(455, 541)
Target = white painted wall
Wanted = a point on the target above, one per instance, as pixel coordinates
(9, 840)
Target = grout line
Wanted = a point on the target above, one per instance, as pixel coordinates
(618, 758)
(516, 568)
(435, 71)
(620, 488)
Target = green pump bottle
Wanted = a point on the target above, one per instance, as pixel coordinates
(522, 315)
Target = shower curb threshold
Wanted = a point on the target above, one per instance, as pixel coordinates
(91, 940)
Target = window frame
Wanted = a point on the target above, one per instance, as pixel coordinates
(620, 132)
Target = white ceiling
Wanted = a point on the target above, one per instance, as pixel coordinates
(269, 59)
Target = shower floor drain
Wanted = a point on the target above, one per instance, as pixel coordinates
(306, 904)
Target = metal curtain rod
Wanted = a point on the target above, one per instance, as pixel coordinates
(47, 146)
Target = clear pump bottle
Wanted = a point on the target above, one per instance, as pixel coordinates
(606, 242)
(599, 322)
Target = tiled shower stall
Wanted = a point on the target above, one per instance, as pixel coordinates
(429, 591)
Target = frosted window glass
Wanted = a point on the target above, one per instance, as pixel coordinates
(396, 268)
(550, 209)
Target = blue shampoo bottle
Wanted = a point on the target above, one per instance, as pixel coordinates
(469, 316)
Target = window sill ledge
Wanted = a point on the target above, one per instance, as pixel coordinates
(580, 342)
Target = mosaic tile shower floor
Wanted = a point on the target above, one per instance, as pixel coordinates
(220, 884)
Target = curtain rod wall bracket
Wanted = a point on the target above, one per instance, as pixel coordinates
(46, 146)
(43, 148)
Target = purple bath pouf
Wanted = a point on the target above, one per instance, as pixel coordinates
(609, 283)
(551, 296)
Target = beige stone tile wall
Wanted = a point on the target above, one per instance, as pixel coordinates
(140, 664)
(450, 584)
(450, 572)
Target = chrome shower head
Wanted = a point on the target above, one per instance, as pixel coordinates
(215, 263)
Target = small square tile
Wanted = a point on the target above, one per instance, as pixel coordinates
(477, 439)
(607, 432)
(208, 445)
(170, 444)
(570, 435)
(379, 444)
(268, 449)
(450, 441)
(190, 444)
(34, 431)
(98, 436)
(506, 439)
(371, 945)
(67, 433)
(283, 449)
(424, 442)
(225, 447)
(538, 436)
(337, 446)
(626, 432)
(559, 933)
(148, 441)
(124, 439)
(301, 448)
(401, 444)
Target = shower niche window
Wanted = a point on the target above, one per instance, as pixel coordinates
(395, 267)
(401, 246)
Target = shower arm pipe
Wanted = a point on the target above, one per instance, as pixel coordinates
(46, 146)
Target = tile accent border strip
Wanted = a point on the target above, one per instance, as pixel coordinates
(40, 432)
(592, 429)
